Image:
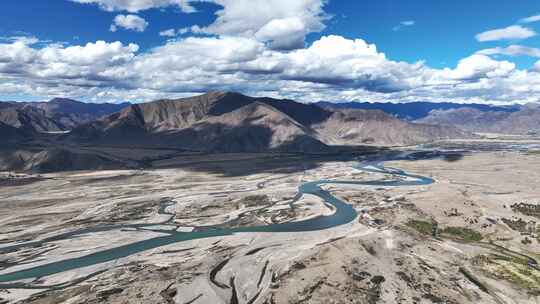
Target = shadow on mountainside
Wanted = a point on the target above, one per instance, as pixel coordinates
(243, 164)
(282, 163)
(216, 148)
(217, 137)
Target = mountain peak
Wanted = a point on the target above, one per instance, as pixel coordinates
(222, 94)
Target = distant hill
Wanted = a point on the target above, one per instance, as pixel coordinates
(58, 114)
(72, 113)
(526, 120)
(28, 118)
(415, 110)
(357, 127)
(232, 122)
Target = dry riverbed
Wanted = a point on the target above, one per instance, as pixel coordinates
(468, 238)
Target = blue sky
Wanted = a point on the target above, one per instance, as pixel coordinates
(385, 50)
(443, 31)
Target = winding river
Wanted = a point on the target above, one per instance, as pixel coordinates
(344, 213)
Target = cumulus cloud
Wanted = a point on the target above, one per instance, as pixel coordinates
(331, 68)
(134, 6)
(129, 22)
(342, 62)
(514, 32)
(512, 50)
(283, 24)
(39, 70)
(479, 66)
(530, 19)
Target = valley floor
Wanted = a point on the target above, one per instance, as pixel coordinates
(471, 237)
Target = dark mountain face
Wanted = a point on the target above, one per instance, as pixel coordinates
(416, 110)
(231, 122)
(306, 114)
(524, 121)
(11, 135)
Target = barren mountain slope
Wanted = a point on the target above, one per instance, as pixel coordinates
(224, 121)
(212, 122)
(356, 127)
(28, 118)
(58, 114)
(520, 122)
(255, 127)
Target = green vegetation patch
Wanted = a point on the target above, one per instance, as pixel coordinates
(519, 274)
(512, 269)
(527, 209)
(424, 227)
(463, 233)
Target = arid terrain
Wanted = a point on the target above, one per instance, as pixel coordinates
(470, 237)
(269, 152)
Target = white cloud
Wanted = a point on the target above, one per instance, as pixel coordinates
(129, 22)
(479, 66)
(134, 6)
(58, 68)
(512, 50)
(514, 32)
(341, 62)
(168, 33)
(283, 24)
(194, 29)
(285, 33)
(530, 19)
(403, 24)
(331, 68)
(536, 66)
(184, 30)
(18, 51)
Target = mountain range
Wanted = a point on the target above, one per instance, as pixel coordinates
(55, 135)
(232, 122)
(416, 110)
(59, 114)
